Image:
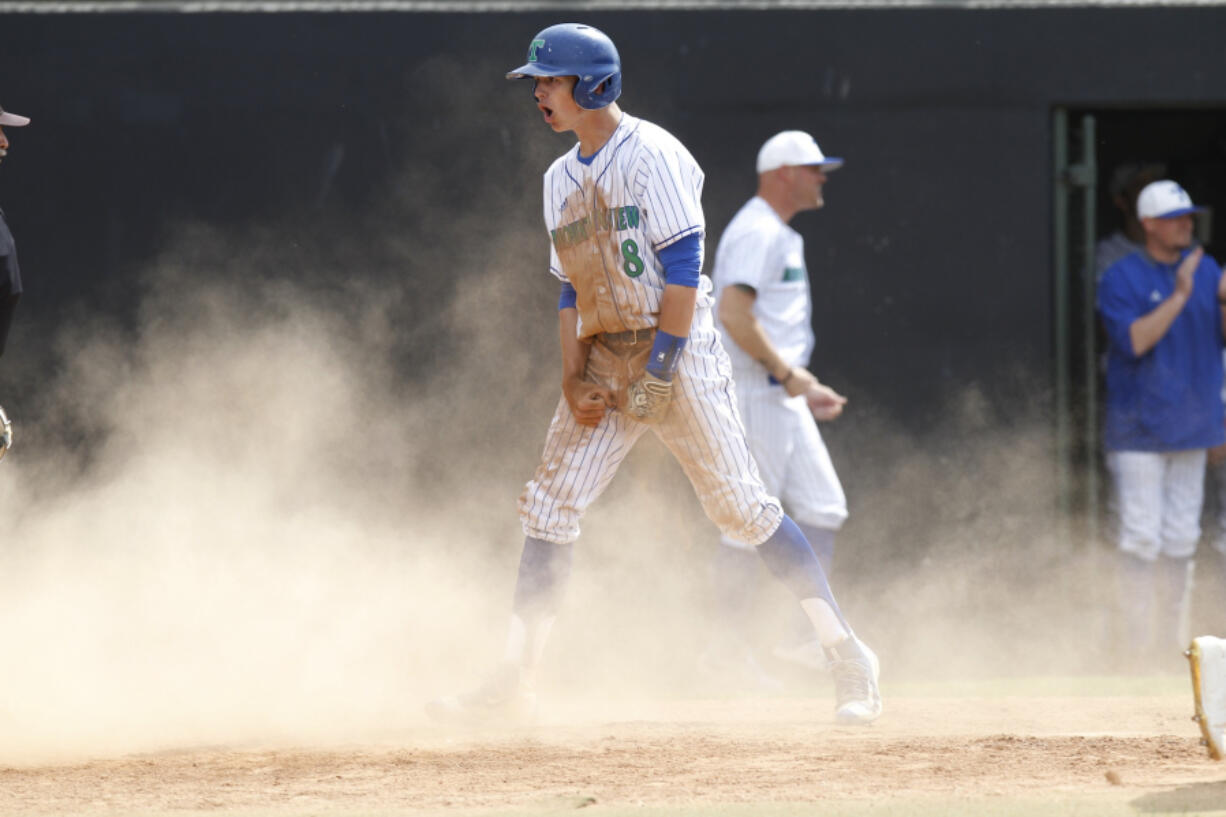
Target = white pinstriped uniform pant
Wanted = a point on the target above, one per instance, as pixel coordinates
(790, 453)
(1159, 496)
(702, 429)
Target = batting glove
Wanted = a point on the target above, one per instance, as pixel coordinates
(649, 398)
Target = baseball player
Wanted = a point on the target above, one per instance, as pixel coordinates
(10, 274)
(639, 351)
(764, 312)
(1162, 312)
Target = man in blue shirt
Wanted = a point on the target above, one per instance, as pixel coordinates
(1162, 311)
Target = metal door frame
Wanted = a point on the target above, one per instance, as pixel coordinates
(1074, 177)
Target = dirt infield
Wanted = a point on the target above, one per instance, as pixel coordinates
(1141, 753)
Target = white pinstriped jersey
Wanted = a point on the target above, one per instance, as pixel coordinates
(760, 250)
(607, 219)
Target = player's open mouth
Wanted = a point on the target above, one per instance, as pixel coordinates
(547, 111)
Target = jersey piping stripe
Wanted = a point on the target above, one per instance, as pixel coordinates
(616, 148)
(675, 237)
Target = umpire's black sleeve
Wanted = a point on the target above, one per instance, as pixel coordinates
(8, 302)
(10, 280)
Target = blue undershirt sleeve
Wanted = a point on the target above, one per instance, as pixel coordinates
(566, 300)
(682, 260)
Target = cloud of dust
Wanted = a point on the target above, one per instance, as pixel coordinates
(278, 500)
(280, 504)
(240, 540)
(957, 562)
(958, 558)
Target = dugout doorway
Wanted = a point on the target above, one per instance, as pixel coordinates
(1090, 147)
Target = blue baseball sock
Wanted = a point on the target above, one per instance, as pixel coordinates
(544, 571)
(822, 542)
(790, 557)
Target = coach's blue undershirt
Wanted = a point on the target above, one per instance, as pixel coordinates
(567, 298)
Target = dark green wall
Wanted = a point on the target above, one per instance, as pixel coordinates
(932, 258)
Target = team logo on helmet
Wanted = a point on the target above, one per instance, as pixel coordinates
(580, 51)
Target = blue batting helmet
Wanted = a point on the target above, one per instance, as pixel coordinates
(576, 50)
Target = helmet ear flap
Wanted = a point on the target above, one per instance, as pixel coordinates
(595, 92)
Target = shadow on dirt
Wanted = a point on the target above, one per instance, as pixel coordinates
(1194, 798)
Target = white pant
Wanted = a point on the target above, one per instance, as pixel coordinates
(1159, 496)
(791, 455)
(702, 429)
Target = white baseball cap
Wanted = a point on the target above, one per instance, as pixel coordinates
(794, 147)
(1164, 199)
(12, 120)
